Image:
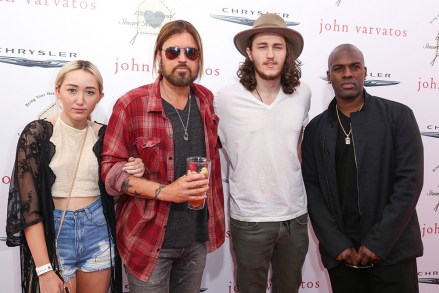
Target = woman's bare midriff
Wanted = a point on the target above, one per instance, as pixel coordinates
(75, 203)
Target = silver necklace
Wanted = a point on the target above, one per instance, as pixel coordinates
(185, 135)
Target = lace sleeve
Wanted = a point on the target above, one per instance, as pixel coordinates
(24, 200)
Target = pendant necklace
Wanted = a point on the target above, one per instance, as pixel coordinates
(347, 138)
(185, 135)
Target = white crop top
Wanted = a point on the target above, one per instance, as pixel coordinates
(68, 142)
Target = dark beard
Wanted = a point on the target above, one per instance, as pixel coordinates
(180, 79)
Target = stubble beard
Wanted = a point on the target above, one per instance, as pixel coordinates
(265, 76)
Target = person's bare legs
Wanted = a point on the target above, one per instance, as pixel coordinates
(71, 284)
(96, 282)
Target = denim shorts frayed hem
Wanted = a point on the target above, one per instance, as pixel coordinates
(84, 242)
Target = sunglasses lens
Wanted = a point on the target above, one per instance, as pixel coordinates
(172, 52)
(192, 53)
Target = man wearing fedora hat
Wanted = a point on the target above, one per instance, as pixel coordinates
(260, 129)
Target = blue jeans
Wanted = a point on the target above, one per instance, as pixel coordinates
(176, 271)
(258, 244)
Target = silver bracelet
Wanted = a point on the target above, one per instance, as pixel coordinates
(157, 191)
(43, 269)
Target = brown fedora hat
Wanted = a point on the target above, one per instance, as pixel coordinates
(270, 23)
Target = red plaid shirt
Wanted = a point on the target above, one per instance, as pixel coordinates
(139, 127)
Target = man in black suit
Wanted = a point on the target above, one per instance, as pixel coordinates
(363, 173)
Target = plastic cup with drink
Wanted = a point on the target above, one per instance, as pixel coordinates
(199, 165)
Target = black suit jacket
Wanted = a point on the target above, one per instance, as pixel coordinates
(389, 155)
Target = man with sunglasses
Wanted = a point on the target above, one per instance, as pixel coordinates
(363, 172)
(163, 243)
(261, 122)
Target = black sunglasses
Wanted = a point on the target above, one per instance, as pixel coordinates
(173, 52)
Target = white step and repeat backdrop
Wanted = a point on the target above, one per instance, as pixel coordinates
(399, 39)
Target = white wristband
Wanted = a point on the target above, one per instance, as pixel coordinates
(43, 269)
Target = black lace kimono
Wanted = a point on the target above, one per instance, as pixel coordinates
(30, 201)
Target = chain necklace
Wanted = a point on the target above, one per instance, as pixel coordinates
(186, 135)
(259, 95)
(347, 138)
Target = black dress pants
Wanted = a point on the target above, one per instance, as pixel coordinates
(397, 278)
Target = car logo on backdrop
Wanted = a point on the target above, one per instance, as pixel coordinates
(243, 20)
(433, 281)
(431, 134)
(32, 63)
(372, 82)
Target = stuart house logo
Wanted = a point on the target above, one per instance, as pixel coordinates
(150, 15)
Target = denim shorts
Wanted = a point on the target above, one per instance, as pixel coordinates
(84, 242)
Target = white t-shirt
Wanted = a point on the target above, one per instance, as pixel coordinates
(261, 141)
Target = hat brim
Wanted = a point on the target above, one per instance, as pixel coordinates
(293, 37)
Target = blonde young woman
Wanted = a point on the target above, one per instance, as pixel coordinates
(57, 202)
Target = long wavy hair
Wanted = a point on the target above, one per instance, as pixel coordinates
(290, 77)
